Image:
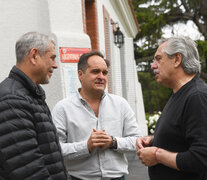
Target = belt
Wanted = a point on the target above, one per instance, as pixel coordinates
(119, 178)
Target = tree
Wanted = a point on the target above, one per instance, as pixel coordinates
(157, 14)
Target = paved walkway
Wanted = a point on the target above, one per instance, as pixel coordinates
(137, 171)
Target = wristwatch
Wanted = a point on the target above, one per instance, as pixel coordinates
(113, 144)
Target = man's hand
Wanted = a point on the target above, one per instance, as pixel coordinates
(147, 156)
(142, 142)
(99, 139)
(151, 156)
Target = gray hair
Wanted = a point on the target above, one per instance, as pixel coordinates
(32, 40)
(187, 47)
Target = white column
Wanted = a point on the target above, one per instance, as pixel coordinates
(133, 87)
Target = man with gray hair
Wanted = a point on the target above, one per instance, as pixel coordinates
(178, 149)
(29, 148)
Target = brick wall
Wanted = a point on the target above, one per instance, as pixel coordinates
(92, 22)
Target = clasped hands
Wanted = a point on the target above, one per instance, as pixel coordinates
(99, 139)
(146, 152)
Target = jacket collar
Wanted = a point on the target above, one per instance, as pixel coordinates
(20, 76)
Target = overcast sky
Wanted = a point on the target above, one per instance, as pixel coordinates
(188, 29)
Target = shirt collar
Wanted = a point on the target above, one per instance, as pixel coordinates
(83, 101)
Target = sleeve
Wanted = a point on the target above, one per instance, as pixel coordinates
(75, 150)
(195, 130)
(130, 130)
(20, 156)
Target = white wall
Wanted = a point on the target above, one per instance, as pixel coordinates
(16, 18)
(67, 28)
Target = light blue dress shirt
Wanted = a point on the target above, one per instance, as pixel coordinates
(75, 121)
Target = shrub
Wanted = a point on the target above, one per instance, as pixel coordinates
(151, 121)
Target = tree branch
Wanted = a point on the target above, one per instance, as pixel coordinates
(185, 5)
(204, 8)
(144, 59)
(179, 16)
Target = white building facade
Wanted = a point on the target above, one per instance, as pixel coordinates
(77, 26)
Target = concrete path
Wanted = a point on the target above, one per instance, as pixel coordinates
(137, 171)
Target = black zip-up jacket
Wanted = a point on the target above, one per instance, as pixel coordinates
(29, 148)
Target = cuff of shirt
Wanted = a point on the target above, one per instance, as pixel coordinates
(82, 149)
(75, 150)
(126, 144)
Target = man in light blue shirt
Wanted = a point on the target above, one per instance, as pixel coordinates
(95, 128)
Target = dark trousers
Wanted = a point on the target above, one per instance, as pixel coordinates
(119, 178)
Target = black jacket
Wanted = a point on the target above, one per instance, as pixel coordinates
(29, 147)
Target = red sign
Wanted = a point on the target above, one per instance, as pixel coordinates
(71, 55)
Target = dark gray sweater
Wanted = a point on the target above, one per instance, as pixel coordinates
(182, 128)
